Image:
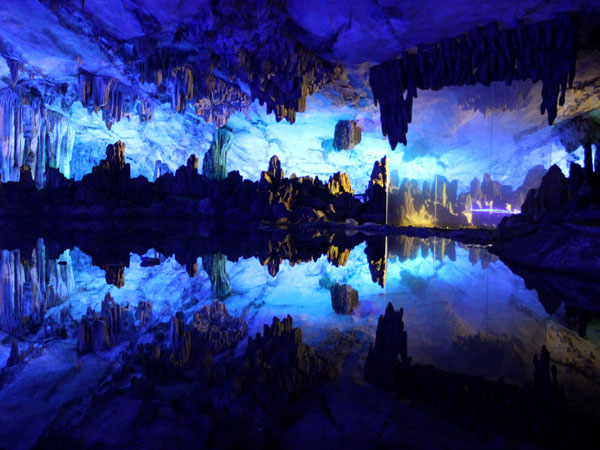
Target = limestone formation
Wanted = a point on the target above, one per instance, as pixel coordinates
(214, 328)
(143, 313)
(483, 55)
(215, 268)
(344, 298)
(32, 136)
(533, 412)
(339, 184)
(551, 196)
(377, 189)
(347, 135)
(14, 358)
(382, 364)
(105, 93)
(103, 331)
(33, 282)
(214, 165)
(113, 173)
(192, 162)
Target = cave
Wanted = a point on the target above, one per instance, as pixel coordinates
(299, 224)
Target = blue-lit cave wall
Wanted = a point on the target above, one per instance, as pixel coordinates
(457, 133)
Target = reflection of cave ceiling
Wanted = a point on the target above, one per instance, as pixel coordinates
(211, 59)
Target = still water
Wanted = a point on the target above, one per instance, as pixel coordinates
(464, 310)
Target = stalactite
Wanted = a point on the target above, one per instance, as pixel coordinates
(10, 134)
(145, 110)
(31, 135)
(13, 66)
(214, 165)
(106, 94)
(543, 51)
(183, 88)
(223, 100)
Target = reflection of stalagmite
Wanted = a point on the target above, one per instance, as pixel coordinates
(101, 331)
(215, 267)
(214, 165)
(533, 411)
(338, 257)
(115, 274)
(377, 258)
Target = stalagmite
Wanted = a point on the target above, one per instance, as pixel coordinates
(214, 165)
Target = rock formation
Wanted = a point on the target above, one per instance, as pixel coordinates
(347, 135)
(376, 193)
(104, 331)
(214, 165)
(105, 93)
(215, 267)
(482, 55)
(143, 313)
(438, 203)
(32, 136)
(31, 283)
(339, 183)
(344, 298)
(551, 196)
(14, 358)
(533, 412)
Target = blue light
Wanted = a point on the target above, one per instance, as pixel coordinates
(496, 210)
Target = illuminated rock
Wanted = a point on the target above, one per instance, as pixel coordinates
(214, 165)
(377, 189)
(482, 55)
(215, 268)
(214, 328)
(143, 313)
(103, 331)
(347, 135)
(344, 298)
(339, 183)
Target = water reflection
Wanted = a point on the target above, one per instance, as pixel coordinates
(467, 312)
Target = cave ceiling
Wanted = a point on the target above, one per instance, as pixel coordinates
(215, 58)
